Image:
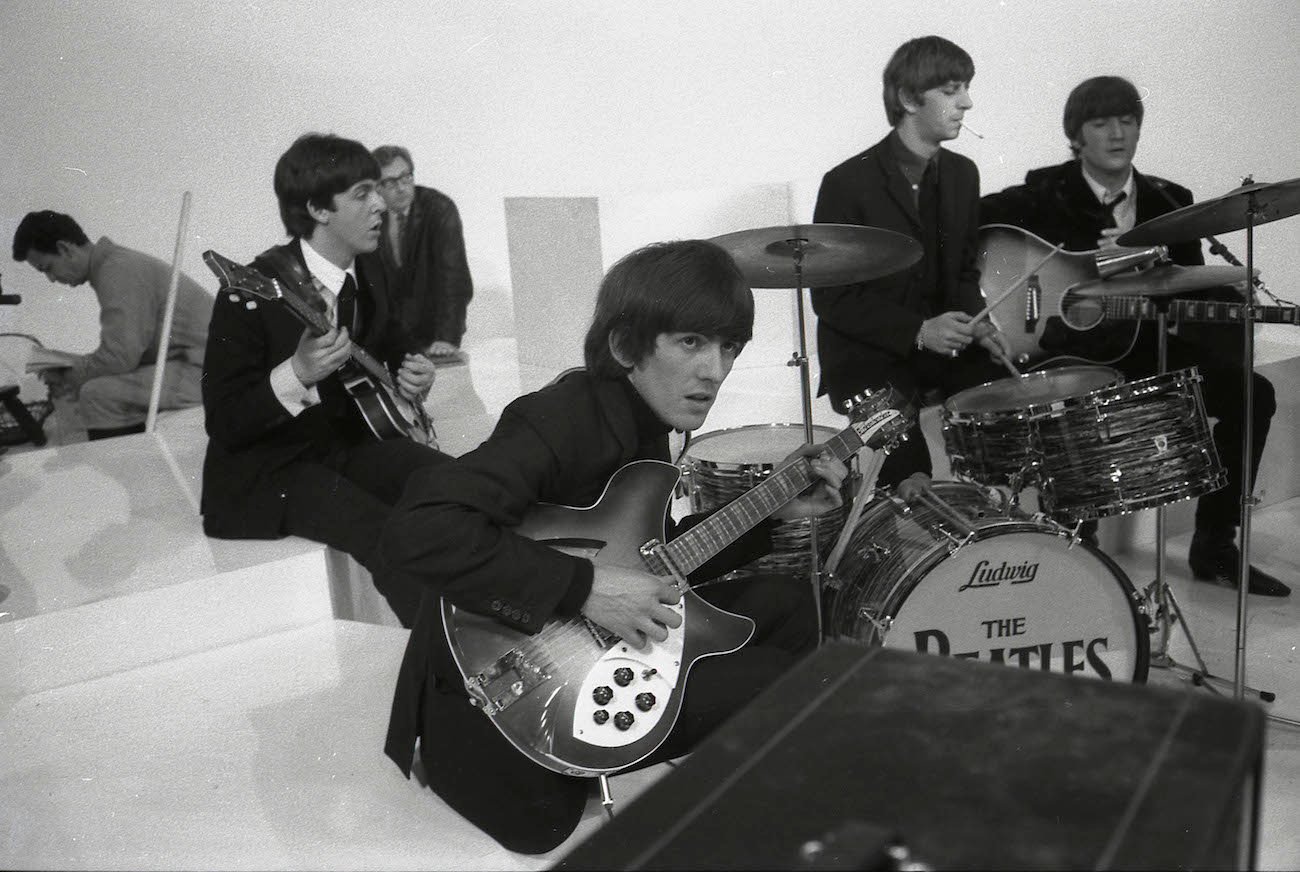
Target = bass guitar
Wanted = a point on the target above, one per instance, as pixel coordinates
(1007, 253)
(367, 381)
(573, 697)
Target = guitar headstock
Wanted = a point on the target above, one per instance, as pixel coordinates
(242, 279)
(881, 418)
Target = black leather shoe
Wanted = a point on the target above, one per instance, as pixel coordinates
(1220, 561)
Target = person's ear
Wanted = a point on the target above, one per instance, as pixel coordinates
(320, 214)
(616, 349)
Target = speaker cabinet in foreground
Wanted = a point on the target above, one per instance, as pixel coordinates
(965, 764)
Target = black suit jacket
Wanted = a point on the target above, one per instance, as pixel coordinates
(432, 287)
(864, 328)
(251, 436)
(1056, 203)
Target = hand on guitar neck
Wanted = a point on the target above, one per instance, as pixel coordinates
(823, 496)
(633, 604)
(415, 376)
(319, 356)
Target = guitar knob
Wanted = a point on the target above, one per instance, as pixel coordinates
(602, 695)
(624, 720)
(645, 701)
(600, 716)
(623, 676)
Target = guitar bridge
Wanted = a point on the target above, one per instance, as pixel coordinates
(506, 681)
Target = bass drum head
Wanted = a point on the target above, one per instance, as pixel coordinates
(1028, 599)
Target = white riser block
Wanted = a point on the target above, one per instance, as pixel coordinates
(125, 632)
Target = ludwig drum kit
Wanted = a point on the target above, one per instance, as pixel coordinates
(963, 568)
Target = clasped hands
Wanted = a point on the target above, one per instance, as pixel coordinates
(950, 333)
(318, 356)
(59, 382)
(636, 605)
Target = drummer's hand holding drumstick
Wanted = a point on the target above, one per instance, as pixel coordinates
(913, 486)
(822, 496)
(946, 334)
(989, 336)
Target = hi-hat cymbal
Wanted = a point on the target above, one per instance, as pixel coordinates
(1166, 280)
(1272, 201)
(830, 254)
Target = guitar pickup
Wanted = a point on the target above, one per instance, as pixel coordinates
(506, 681)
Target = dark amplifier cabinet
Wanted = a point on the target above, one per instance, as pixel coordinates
(957, 765)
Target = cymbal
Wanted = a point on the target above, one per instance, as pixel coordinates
(1273, 201)
(832, 254)
(1166, 280)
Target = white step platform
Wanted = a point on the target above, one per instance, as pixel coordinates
(263, 754)
(171, 701)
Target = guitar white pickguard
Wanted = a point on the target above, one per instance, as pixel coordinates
(653, 671)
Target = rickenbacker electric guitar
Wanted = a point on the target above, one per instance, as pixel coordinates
(573, 697)
(1006, 252)
(367, 381)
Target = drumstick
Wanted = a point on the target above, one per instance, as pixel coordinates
(984, 313)
(860, 500)
(1011, 367)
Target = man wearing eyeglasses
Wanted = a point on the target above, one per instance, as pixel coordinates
(423, 250)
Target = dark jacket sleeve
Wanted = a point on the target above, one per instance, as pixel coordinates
(452, 531)
(1016, 206)
(452, 288)
(244, 344)
(874, 313)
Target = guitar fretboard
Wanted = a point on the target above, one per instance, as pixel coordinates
(1143, 308)
(697, 545)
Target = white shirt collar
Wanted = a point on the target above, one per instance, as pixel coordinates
(324, 271)
(1105, 196)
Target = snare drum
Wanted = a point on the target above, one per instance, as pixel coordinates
(721, 465)
(989, 430)
(962, 573)
(1129, 447)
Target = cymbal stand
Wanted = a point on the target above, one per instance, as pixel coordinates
(800, 359)
(1165, 604)
(1248, 499)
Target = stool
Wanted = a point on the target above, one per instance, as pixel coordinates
(22, 417)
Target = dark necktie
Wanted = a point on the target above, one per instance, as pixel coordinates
(347, 304)
(1109, 220)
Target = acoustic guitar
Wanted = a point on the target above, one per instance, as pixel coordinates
(1007, 252)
